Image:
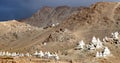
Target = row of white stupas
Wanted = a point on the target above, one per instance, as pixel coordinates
(46, 55)
(114, 38)
(14, 54)
(40, 54)
(97, 44)
(53, 25)
(104, 53)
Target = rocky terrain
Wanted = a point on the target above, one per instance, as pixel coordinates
(59, 30)
(49, 15)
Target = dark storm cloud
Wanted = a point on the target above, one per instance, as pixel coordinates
(11, 9)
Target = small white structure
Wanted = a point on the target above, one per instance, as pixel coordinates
(101, 54)
(105, 39)
(3, 53)
(8, 54)
(112, 34)
(28, 54)
(56, 57)
(44, 43)
(21, 55)
(81, 45)
(41, 54)
(29, 29)
(66, 30)
(53, 25)
(14, 54)
(97, 54)
(94, 40)
(47, 55)
(115, 35)
(96, 43)
(36, 53)
(99, 44)
(57, 23)
(106, 52)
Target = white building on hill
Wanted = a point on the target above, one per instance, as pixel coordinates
(81, 45)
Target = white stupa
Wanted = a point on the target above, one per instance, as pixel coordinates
(112, 34)
(36, 53)
(57, 23)
(81, 45)
(14, 54)
(21, 55)
(47, 54)
(27, 54)
(44, 43)
(116, 34)
(56, 57)
(97, 54)
(40, 54)
(18, 54)
(94, 40)
(105, 39)
(53, 25)
(99, 43)
(101, 55)
(106, 52)
(7, 53)
(3, 53)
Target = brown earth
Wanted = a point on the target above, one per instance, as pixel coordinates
(76, 24)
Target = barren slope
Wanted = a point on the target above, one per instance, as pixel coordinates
(49, 15)
(28, 35)
(99, 20)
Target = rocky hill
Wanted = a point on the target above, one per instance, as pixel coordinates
(49, 15)
(97, 19)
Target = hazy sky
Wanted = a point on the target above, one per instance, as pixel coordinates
(12, 9)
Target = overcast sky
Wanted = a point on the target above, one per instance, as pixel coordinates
(12, 9)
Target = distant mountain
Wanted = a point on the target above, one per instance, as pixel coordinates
(48, 15)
